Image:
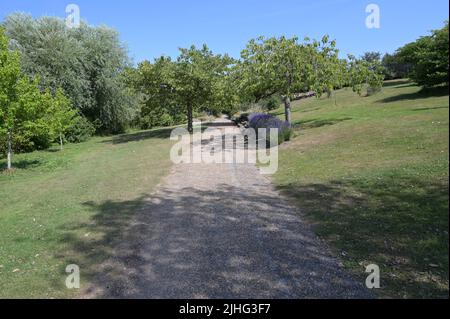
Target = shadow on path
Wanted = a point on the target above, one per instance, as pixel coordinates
(222, 243)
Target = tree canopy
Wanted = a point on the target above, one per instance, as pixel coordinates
(428, 57)
(86, 62)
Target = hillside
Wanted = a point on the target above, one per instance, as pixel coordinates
(371, 175)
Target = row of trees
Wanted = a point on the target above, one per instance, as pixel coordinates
(425, 61)
(196, 80)
(427, 58)
(62, 84)
(199, 80)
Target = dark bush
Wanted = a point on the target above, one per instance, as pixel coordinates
(271, 103)
(81, 131)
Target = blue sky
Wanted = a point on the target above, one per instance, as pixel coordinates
(150, 28)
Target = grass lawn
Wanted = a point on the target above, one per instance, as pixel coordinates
(59, 208)
(371, 175)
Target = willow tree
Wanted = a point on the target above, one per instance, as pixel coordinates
(86, 62)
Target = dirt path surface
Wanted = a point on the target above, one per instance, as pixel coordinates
(221, 231)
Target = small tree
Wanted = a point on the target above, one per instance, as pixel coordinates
(9, 77)
(284, 66)
(61, 115)
(24, 110)
(194, 78)
(363, 73)
(153, 81)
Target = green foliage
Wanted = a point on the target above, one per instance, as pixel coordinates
(394, 67)
(29, 119)
(284, 66)
(23, 116)
(363, 73)
(196, 81)
(171, 91)
(272, 103)
(62, 115)
(371, 57)
(9, 77)
(86, 62)
(152, 82)
(274, 65)
(429, 58)
(80, 131)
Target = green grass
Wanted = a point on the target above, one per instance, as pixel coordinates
(371, 175)
(59, 208)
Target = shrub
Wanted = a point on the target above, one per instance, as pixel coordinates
(157, 117)
(166, 120)
(81, 131)
(271, 103)
(267, 121)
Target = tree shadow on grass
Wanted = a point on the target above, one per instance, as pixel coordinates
(430, 108)
(21, 164)
(315, 123)
(295, 110)
(401, 224)
(183, 244)
(160, 133)
(398, 83)
(422, 94)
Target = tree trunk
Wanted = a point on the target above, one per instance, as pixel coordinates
(190, 119)
(9, 156)
(287, 109)
(60, 142)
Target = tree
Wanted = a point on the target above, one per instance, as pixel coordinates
(371, 57)
(153, 84)
(86, 62)
(363, 73)
(62, 115)
(193, 80)
(327, 67)
(196, 80)
(394, 67)
(28, 117)
(429, 58)
(284, 66)
(9, 77)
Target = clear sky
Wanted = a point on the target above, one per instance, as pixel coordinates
(150, 28)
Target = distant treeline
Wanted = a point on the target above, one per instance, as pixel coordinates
(85, 73)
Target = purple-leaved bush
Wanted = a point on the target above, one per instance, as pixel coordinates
(267, 121)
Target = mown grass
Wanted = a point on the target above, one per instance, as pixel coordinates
(48, 208)
(371, 175)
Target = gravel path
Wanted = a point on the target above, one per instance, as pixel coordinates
(222, 231)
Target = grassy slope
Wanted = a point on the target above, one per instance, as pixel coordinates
(371, 174)
(69, 207)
